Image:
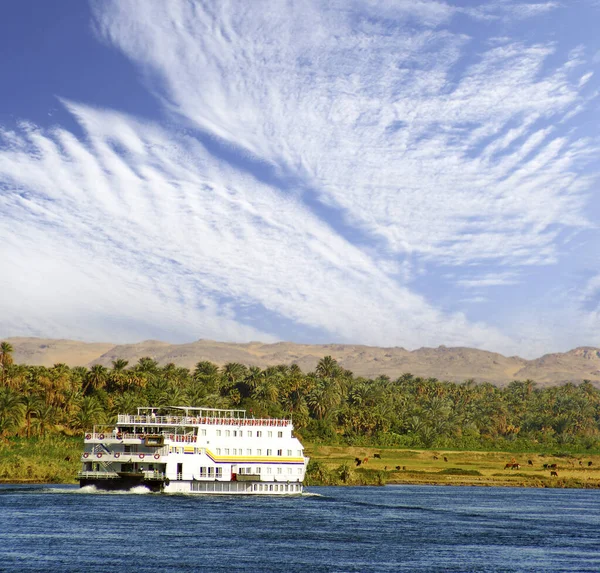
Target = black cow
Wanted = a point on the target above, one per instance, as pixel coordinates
(378, 456)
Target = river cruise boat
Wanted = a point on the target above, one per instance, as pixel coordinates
(177, 449)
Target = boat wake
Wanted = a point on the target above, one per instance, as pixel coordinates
(90, 489)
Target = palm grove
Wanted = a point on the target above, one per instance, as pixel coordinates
(328, 405)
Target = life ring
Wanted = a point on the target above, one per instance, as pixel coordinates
(99, 455)
(119, 436)
(117, 454)
(142, 456)
(86, 455)
(101, 436)
(88, 436)
(156, 456)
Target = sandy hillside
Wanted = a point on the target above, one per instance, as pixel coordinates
(457, 364)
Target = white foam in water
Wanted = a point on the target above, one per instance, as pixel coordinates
(139, 489)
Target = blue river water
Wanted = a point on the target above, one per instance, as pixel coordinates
(333, 529)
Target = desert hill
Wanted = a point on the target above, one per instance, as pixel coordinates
(455, 364)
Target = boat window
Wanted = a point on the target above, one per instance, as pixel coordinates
(227, 433)
(218, 432)
(259, 452)
(257, 469)
(289, 453)
(249, 433)
(234, 451)
(203, 432)
(203, 472)
(219, 472)
(259, 433)
(248, 452)
(270, 434)
(218, 451)
(279, 470)
(280, 434)
(226, 451)
(289, 470)
(269, 452)
(279, 452)
(299, 453)
(211, 472)
(268, 469)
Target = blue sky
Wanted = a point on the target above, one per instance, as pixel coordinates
(407, 173)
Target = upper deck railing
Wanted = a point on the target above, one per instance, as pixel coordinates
(194, 421)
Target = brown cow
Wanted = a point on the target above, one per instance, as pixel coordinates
(553, 473)
(365, 460)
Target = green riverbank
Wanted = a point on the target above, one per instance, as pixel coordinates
(56, 459)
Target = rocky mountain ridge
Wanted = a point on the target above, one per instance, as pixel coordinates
(445, 363)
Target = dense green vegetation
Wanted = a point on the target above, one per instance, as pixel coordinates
(329, 405)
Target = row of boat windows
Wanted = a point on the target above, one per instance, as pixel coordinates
(218, 472)
(211, 472)
(276, 487)
(236, 451)
(248, 433)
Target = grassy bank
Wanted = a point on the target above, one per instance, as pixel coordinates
(56, 459)
(332, 465)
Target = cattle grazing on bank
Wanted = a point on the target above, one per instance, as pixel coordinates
(554, 473)
(357, 461)
(445, 459)
(365, 460)
(378, 456)
(398, 468)
(512, 466)
(529, 463)
(589, 464)
(435, 458)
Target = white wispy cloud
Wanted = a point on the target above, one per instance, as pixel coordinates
(144, 226)
(489, 279)
(377, 119)
(430, 149)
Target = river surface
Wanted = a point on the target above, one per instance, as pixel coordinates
(351, 529)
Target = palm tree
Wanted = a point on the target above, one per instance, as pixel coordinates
(96, 378)
(6, 359)
(90, 413)
(31, 404)
(120, 364)
(11, 411)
